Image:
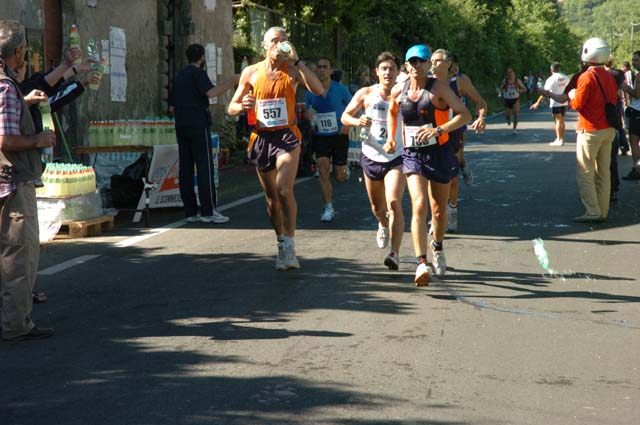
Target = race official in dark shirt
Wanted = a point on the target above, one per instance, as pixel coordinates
(192, 89)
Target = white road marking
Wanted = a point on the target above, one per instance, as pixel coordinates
(149, 234)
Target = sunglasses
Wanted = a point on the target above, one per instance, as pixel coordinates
(415, 61)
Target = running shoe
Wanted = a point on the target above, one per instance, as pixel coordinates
(216, 218)
(290, 259)
(382, 237)
(514, 132)
(439, 262)
(280, 259)
(633, 175)
(422, 275)
(392, 261)
(557, 142)
(328, 214)
(452, 218)
(193, 219)
(467, 177)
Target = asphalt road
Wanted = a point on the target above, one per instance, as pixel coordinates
(192, 325)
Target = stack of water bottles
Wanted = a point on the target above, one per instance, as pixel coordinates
(69, 194)
(144, 132)
(62, 180)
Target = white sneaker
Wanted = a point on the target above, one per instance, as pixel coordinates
(438, 261)
(216, 218)
(514, 132)
(422, 275)
(467, 177)
(382, 237)
(452, 218)
(290, 259)
(193, 219)
(328, 214)
(557, 143)
(280, 259)
(392, 261)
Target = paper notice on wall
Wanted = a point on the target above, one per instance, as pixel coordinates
(118, 56)
(210, 5)
(219, 61)
(211, 54)
(105, 55)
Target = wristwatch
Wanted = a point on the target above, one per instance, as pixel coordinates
(439, 130)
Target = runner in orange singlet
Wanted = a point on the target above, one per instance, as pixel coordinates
(269, 88)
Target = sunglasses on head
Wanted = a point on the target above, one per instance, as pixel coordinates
(415, 61)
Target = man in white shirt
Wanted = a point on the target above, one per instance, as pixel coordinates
(556, 84)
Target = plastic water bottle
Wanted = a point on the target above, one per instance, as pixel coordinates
(285, 48)
(98, 68)
(93, 54)
(74, 41)
(541, 254)
(364, 133)
(46, 154)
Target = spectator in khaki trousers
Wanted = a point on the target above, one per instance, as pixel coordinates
(20, 171)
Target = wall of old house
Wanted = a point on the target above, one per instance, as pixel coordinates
(149, 28)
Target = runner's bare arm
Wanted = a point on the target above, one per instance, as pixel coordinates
(467, 88)
(349, 116)
(307, 77)
(521, 87)
(243, 99)
(392, 119)
(626, 88)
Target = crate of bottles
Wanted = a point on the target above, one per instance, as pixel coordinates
(64, 180)
(145, 132)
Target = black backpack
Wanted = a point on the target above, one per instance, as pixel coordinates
(610, 110)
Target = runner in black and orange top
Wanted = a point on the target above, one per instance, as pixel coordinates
(269, 88)
(429, 161)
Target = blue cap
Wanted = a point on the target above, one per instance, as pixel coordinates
(418, 51)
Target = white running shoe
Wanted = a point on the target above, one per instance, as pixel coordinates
(382, 237)
(280, 259)
(557, 143)
(452, 218)
(438, 261)
(193, 219)
(392, 261)
(328, 214)
(422, 275)
(514, 132)
(216, 218)
(467, 177)
(290, 259)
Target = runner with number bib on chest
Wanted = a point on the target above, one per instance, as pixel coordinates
(269, 88)
(429, 161)
(331, 139)
(382, 171)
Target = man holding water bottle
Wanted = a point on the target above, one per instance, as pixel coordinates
(20, 171)
(269, 88)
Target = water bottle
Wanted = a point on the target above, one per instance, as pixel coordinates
(98, 68)
(74, 41)
(93, 54)
(364, 133)
(314, 120)
(285, 48)
(541, 254)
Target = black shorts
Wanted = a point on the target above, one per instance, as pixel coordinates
(634, 120)
(269, 145)
(335, 147)
(559, 110)
(378, 170)
(508, 103)
(438, 162)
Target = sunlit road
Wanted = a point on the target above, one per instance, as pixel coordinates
(194, 326)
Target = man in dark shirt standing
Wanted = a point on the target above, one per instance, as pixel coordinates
(192, 89)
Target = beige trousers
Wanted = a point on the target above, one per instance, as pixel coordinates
(593, 155)
(19, 257)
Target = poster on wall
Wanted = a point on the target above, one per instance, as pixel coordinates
(118, 55)
(210, 55)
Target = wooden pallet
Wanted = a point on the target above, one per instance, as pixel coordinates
(85, 228)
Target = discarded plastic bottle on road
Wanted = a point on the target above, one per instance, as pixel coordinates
(541, 254)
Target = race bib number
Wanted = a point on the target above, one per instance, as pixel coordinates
(273, 112)
(411, 138)
(378, 131)
(327, 123)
